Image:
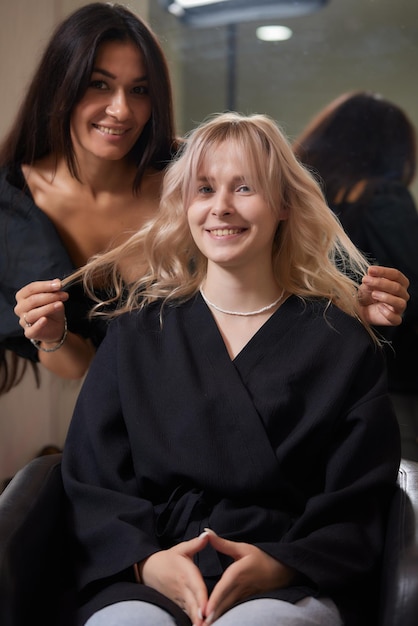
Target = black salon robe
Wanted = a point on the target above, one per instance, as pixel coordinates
(293, 446)
(31, 249)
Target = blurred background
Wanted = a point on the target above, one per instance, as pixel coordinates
(335, 46)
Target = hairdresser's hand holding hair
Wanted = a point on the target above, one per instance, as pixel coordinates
(237, 390)
(383, 296)
(41, 311)
(80, 171)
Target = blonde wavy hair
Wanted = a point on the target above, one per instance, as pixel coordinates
(312, 256)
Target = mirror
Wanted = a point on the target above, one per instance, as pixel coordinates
(360, 44)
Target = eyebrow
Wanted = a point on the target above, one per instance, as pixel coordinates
(235, 180)
(99, 70)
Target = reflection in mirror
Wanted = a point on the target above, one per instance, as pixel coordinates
(208, 13)
(343, 46)
(230, 13)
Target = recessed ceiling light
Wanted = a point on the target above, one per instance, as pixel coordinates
(210, 13)
(189, 4)
(273, 33)
(179, 7)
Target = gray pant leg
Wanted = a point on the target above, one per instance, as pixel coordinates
(269, 612)
(131, 613)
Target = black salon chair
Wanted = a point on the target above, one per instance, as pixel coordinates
(36, 584)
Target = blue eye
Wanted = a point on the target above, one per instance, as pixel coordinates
(205, 189)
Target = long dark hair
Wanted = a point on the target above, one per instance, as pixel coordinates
(360, 136)
(42, 125)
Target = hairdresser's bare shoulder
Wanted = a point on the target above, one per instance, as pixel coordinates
(90, 220)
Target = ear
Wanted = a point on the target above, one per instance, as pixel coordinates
(283, 213)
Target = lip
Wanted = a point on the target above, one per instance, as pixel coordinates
(225, 231)
(111, 131)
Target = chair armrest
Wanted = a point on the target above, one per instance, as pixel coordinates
(408, 481)
(406, 608)
(399, 585)
(33, 550)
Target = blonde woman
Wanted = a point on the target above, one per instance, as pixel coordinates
(221, 464)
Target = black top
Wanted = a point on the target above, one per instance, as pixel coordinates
(31, 249)
(384, 225)
(293, 446)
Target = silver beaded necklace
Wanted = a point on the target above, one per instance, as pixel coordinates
(244, 314)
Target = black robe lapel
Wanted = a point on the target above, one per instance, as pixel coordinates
(240, 418)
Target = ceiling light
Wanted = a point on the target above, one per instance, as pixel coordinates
(179, 7)
(209, 13)
(188, 4)
(273, 33)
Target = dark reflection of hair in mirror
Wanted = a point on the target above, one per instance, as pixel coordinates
(359, 137)
(363, 148)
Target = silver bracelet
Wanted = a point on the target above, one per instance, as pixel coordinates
(38, 346)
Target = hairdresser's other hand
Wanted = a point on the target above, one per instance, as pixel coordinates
(173, 573)
(40, 309)
(41, 313)
(252, 571)
(383, 296)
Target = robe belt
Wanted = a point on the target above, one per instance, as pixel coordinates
(190, 510)
(184, 517)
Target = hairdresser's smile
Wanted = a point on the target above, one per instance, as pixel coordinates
(107, 130)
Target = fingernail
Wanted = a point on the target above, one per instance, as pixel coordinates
(209, 618)
(56, 283)
(205, 532)
(200, 614)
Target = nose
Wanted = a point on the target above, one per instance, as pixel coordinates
(222, 203)
(118, 107)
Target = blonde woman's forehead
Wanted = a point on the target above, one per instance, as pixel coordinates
(224, 154)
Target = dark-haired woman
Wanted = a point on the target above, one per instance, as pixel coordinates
(80, 170)
(363, 147)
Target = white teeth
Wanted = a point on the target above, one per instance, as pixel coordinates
(222, 232)
(110, 131)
